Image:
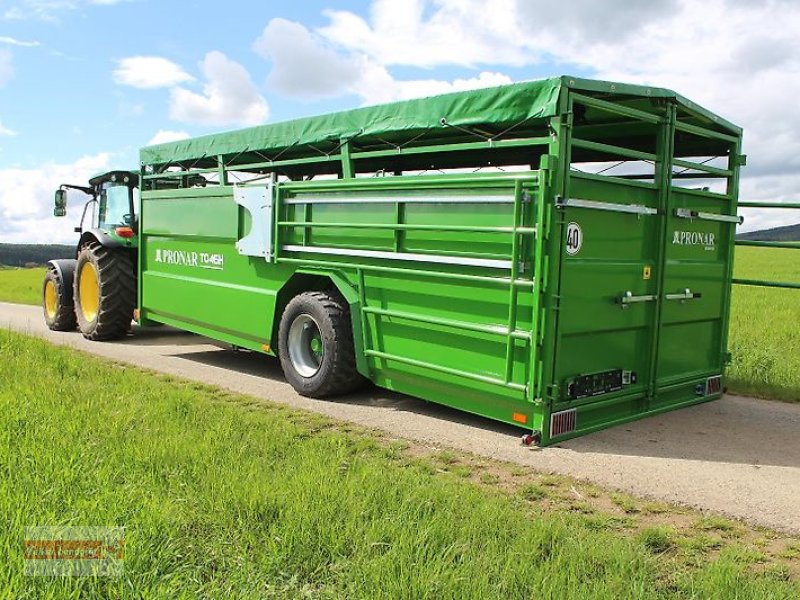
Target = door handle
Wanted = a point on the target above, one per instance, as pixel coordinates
(683, 296)
(628, 298)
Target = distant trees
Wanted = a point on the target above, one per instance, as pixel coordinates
(32, 255)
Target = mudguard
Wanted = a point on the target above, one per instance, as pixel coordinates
(66, 273)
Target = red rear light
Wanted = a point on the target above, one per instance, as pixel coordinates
(124, 232)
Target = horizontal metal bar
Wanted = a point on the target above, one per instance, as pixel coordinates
(763, 244)
(351, 199)
(647, 185)
(769, 205)
(411, 227)
(706, 133)
(629, 298)
(764, 283)
(447, 183)
(618, 109)
(491, 329)
(687, 294)
(447, 370)
(487, 145)
(636, 209)
(701, 167)
(611, 149)
(686, 213)
(443, 259)
(497, 281)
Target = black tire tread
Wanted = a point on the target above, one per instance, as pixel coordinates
(117, 277)
(65, 319)
(343, 377)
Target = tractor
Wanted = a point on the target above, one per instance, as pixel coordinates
(96, 291)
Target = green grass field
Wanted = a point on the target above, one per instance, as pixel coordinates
(764, 332)
(224, 496)
(765, 326)
(23, 286)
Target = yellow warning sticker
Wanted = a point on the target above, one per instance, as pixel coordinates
(646, 272)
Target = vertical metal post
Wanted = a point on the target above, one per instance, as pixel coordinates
(347, 160)
(537, 267)
(732, 192)
(400, 218)
(223, 174)
(665, 148)
(513, 293)
(362, 301)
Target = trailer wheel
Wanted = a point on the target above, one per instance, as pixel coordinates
(105, 292)
(59, 311)
(315, 345)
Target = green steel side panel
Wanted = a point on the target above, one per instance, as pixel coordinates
(192, 275)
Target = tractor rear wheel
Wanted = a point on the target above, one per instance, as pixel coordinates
(315, 345)
(59, 311)
(105, 292)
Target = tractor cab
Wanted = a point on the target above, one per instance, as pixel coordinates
(112, 208)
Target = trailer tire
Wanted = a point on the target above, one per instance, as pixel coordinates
(315, 345)
(104, 292)
(59, 310)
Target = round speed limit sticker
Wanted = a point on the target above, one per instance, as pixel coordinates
(574, 239)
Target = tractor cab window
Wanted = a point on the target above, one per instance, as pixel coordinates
(115, 207)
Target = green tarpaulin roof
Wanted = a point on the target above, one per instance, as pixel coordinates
(501, 106)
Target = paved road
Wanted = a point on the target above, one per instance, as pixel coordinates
(738, 456)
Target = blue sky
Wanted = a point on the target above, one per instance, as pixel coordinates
(85, 83)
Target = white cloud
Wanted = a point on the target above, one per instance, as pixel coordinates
(6, 67)
(229, 96)
(10, 41)
(163, 136)
(303, 65)
(306, 66)
(6, 131)
(26, 200)
(150, 72)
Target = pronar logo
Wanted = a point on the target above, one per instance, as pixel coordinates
(694, 238)
(186, 258)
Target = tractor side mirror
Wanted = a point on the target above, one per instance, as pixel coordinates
(60, 209)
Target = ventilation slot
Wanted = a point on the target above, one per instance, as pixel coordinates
(563, 422)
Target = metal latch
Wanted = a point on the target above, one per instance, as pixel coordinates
(683, 296)
(635, 209)
(628, 298)
(686, 213)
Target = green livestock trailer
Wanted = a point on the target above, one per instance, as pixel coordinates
(553, 254)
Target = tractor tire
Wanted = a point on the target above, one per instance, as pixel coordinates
(315, 345)
(59, 310)
(105, 292)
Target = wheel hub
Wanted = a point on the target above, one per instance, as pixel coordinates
(305, 345)
(50, 299)
(89, 292)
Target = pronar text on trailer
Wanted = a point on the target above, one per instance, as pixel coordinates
(553, 254)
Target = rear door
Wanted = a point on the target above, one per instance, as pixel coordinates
(695, 293)
(608, 297)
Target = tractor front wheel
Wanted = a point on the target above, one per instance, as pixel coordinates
(105, 292)
(59, 312)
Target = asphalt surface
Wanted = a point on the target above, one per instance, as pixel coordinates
(737, 456)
